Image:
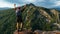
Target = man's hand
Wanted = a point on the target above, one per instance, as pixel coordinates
(14, 5)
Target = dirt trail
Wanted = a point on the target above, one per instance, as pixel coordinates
(16, 32)
(22, 32)
(46, 32)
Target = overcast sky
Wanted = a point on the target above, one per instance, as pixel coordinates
(44, 3)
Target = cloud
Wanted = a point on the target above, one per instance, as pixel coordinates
(57, 3)
(8, 4)
(5, 4)
(44, 3)
(33, 1)
(49, 3)
(24, 1)
(15, 1)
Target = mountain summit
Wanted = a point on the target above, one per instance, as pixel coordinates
(31, 4)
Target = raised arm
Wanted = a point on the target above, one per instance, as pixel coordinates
(14, 6)
(22, 9)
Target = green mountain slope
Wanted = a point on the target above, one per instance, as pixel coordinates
(7, 21)
(33, 17)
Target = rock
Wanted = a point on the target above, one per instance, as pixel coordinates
(23, 32)
(37, 32)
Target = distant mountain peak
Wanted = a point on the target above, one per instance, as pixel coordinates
(4, 8)
(31, 4)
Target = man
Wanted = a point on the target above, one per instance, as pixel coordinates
(19, 17)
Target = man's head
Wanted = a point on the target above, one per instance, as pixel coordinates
(18, 8)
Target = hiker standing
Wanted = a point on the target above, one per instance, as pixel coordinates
(19, 17)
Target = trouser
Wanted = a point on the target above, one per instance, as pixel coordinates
(19, 23)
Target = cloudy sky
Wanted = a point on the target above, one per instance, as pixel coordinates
(44, 3)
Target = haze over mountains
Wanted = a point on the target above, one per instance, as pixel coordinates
(4, 8)
(58, 8)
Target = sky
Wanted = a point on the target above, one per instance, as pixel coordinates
(43, 3)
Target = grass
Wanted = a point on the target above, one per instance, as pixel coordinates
(7, 21)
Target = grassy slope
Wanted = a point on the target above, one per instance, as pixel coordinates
(7, 21)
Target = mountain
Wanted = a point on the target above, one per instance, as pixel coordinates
(57, 8)
(4, 8)
(33, 18)
(41, 16)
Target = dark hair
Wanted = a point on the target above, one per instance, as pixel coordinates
(18, 7)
